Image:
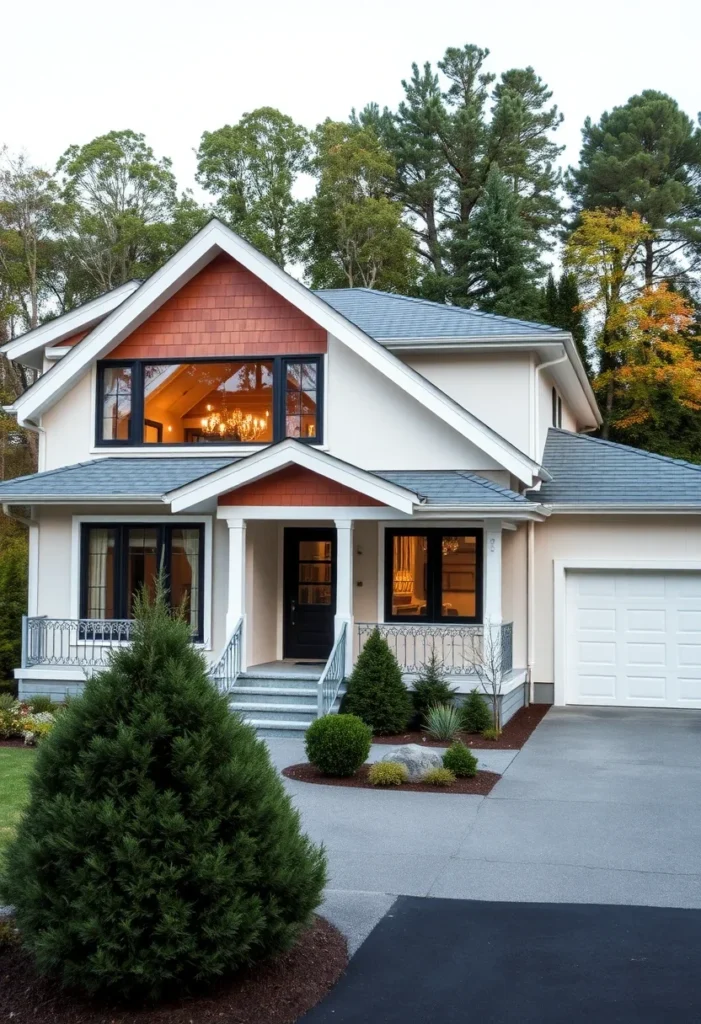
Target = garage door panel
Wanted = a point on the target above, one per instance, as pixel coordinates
(634, 639)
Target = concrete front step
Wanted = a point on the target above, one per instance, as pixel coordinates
(273, 694)
(263, 709)
(277, 682)
(277, 727)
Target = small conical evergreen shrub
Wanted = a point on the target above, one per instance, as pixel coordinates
(376, 691)
(159, 850)
(476, 716)
(430, 689)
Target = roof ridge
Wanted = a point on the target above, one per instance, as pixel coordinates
(626, 448)
(444, 305)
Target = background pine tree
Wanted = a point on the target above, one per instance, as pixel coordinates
(159, 851)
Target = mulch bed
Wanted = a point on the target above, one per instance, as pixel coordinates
(513, 736)
(479, 785)
(13, 743)
(278, 992)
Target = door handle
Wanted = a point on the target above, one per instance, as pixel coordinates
(293, 609)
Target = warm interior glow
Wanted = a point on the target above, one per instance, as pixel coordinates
(200, 402)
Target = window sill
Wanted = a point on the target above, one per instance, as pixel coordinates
(189, 450)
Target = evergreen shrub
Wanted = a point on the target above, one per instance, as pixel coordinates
(338, 744)
(430, 689)
(159, 851)
(461, 761)
(476, 716)
(388, 773)
(376, 691)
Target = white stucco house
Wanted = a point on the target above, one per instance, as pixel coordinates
(311, 464)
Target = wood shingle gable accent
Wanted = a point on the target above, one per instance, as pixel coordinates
(295, 486)
(226, 311)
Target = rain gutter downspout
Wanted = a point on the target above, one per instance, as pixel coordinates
(530, 606)
(535, 454)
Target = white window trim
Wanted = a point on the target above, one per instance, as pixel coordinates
(206, 521)
(561, 566)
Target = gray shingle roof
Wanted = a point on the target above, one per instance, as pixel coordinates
(154, 477)
(112, 477)
(385, 316)
(589, 471)
(453, 487)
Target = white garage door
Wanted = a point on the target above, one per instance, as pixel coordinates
(634, 639)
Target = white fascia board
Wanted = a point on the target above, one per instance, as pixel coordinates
(213, 239)
(634, 508)
(62, 327)
(279, 456)
(524, 341)
(82, 499)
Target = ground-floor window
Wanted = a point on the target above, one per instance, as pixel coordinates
(118, 559)
(433, 575)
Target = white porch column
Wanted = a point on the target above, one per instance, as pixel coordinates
(344, 584)
(492, 573)
(236, 608)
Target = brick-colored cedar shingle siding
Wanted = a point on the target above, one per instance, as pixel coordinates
(74, 338)
(296, 486)
(224, 311)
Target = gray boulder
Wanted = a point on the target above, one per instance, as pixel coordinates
(417, 759)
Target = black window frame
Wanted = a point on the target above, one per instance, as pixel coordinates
(122, 600)
(434, 570)
(137, 420)
(554, 410)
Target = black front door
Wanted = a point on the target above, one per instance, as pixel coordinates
(309, 592)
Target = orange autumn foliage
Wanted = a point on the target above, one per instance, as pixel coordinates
(653, 348)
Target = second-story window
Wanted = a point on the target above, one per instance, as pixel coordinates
(207, 401)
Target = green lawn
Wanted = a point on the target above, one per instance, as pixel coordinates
(15, 765)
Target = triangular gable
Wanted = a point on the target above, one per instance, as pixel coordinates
(297, 486)
(198, 253)
(226, 311)
(339, 480)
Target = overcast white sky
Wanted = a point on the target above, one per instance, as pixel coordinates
(75, 69)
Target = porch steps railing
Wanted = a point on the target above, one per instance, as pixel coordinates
(278, 703)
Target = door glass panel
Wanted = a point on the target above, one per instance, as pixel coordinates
(100, 576)
(116, 403)
(314, 550)
(142, 562)
(409, 591)
(458, 576)
(184, 572)
(315, 572)
(313, 594)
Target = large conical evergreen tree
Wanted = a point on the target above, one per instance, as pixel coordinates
(159, 850)
(376, 691)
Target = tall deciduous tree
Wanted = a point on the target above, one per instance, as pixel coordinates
(645, 157)
(353, 235)
(602, 253)
(116, 192)
(251, 168)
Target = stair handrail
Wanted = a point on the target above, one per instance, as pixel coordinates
(226, 671)
(333, 675)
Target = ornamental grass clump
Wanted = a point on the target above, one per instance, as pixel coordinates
(461, 761)
(159, 851)
(388, 773)
(439, 777)
(476, 716)
(443, 722)
(338, 744)
(376, 691)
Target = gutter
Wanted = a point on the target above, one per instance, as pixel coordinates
(82, 499)
(638, 507)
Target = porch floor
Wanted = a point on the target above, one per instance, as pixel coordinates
(288, 669)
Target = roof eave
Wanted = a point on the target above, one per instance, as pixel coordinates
(618, 508)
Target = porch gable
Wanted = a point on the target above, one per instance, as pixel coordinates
(294, 486)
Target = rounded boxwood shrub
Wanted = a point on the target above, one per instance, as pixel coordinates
(439, 777)
(159, 851)
(388, 773)
(376, 691)
(461, 761)
(476, 716)
(338, 744)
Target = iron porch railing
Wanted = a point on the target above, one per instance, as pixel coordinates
(334, 672)
(413, 643)
(83, 643)
(226, 671)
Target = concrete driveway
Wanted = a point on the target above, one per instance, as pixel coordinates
(600, 806)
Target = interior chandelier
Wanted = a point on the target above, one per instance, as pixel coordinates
(238, 424)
